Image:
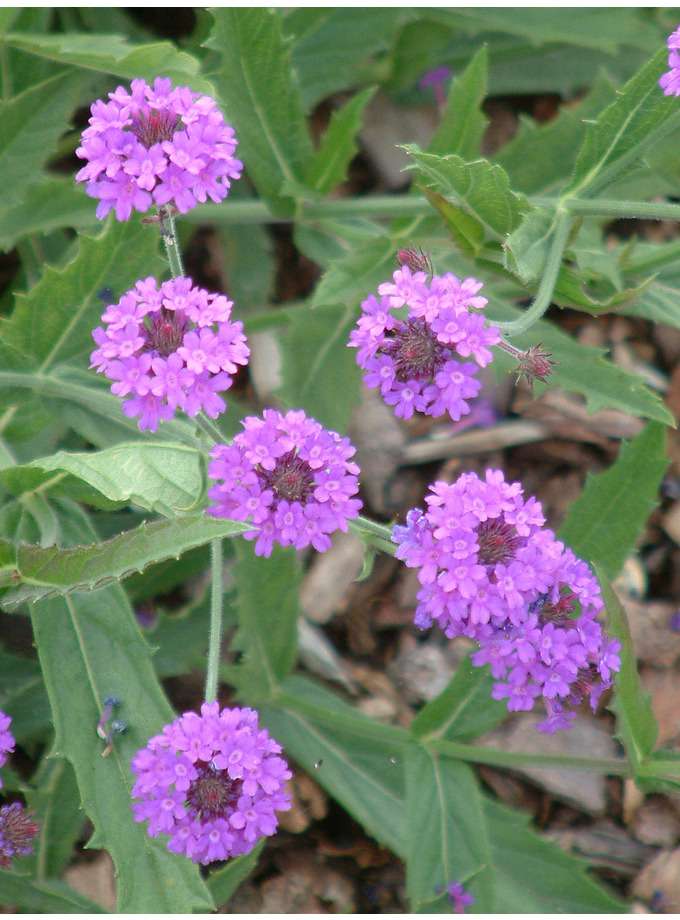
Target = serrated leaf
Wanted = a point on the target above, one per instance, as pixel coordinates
(359, 762)
(527, 247)
(318, 366)
(604, 522)
(116, 55)
(157, 477)
(636, 724)
(268, 610)
(585, 370)
(463, 121)
(30, 126)
(464, 709)
(331, 46)
(53, 323)
(338, 146)
(50, 896)
(40, 572)
(633, 123)
(445, 828)
(480, 188)
(259, 91)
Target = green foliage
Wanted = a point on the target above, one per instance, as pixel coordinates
(606, 519)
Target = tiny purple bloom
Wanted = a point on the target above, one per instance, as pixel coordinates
(17, 830)
(291, 477)
(458, 896)
(490, 571)
(212, 782)
(158, 358)
(414, 360)
(6, 739)
(156, 145)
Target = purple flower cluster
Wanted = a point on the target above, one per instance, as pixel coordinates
(169, 347)
(156, 145)
(6, 739)
(414, 359)
(212, 782)
(670, 81)
(459, 897)
(17, 830)
(490, 571)
(292, 477)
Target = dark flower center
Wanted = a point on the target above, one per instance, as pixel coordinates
(213, 794)
(166, 331)
(17, 829)
(498, 542)
(557, 612)
(155, 127)
(416, 353)
(581, 688)
(291, 480)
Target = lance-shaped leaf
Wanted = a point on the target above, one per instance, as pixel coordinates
(639, 117)
(50, 896)
(157, 477)
(50, 203)
(463, 121)
(53, 323)
(259, 91)
(114, 54)
(107, 656)
(42, 572)
(605, 521)
(445, 828)
(636, 724)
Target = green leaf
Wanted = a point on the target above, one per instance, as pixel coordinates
(464, 709)
(23, 697)
(114, 54)
(30, 126)
(268, 611)
(53, 323)
(446, 833)
(584, 370)
(353, 277)
(48, 897)
(633, 123)
(533, 875)
(540, 158)
(338, 147)
(636, 725)
(605, 521)
(526, 249)
(463, 123)
(480, 188)
(260, 93)
(332, 46)
(158, 477)
(358, 761)
(224, 882)
(320, 372)
(47, 205)
(57, 805)
(40, 573)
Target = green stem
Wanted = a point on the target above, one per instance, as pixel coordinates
(495, 757)
(171, 242)
(374, 534)
(209, 428)
(546, 288)
(215, 640)
(615, 208)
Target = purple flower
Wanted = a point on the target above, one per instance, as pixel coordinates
(168, 348)
(6, 739)
(413, 358)
(492, 572)
(290, 476)
(670, 81)
(212, 782)
(458, 896)
(17, 830)
(156, 145)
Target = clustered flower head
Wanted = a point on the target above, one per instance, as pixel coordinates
(213, 782)
(290, 476)
(156, 145)
(670, 81)
(490, 571)
(17, 830)
(411, 339)
(169, 347)
(6, 740)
